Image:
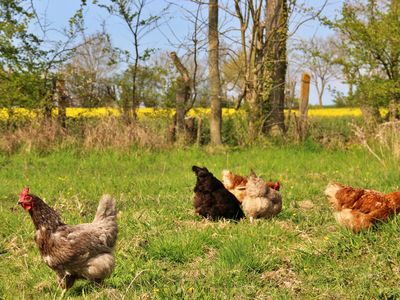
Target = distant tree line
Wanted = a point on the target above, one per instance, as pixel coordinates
(248, 69)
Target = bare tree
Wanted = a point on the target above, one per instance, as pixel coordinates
(183, 94)
(53, 53)
(263, 29)
(139, 25)
(317, 56)
(214, 75)
(264, 34)
(88, 74)
(187, 65)
(193, 44)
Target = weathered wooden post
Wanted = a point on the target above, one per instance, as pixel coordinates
(62, 102)
(304, 98)
(198, 136)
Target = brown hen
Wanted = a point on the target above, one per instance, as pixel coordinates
(236, 184)
(358, 209)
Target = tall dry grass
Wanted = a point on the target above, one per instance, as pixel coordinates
(46, 135)
(113, 133)
(383, 142)
(40, 134)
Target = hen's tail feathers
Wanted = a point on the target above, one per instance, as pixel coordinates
(226, 172)
(332, 189)
(227, 178)
(106, 209)
(394, 200)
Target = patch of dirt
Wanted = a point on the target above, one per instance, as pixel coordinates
(305, 205)
(210, 252)
(283, 278)
(331, 228)
(305, 236)
(286, 225)
(145, 296)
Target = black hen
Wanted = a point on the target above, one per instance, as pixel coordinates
(212, 200)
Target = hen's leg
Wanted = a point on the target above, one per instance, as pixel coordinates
(70, 280)
(65, 281)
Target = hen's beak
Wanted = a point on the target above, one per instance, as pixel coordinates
(20, 203)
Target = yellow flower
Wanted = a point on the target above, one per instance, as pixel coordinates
(99, 112)
(78, 112)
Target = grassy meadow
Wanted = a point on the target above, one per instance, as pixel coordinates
(165, 251)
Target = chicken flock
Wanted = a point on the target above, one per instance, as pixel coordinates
(86, 251)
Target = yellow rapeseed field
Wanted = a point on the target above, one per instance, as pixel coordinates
(78, 112)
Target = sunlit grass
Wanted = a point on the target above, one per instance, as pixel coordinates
(165, 251)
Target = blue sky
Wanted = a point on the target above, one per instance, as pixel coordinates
(58, 12)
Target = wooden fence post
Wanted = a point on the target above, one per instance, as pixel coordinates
(62, 102)
(304, 98)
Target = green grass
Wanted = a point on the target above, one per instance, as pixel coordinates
(164, 251)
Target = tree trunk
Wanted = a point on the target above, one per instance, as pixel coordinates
(371, 115)
(275, 63)
(49, 96)
(320, 92)
(214, 76)
(254, 114)
(135, 101)
(181, 98)
(183, 92)
(62, 103)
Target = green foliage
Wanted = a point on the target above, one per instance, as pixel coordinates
(369, 49)
(28, 62)
(22, 89)
(18, 47)
(151, 84)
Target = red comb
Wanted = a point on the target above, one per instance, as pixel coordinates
(24, 193)
(274, 185)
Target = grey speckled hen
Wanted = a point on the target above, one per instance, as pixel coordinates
(74, 251)
(260, 201)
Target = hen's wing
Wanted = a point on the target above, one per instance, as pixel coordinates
(363, 200)
(70, 247)
(227, 204)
